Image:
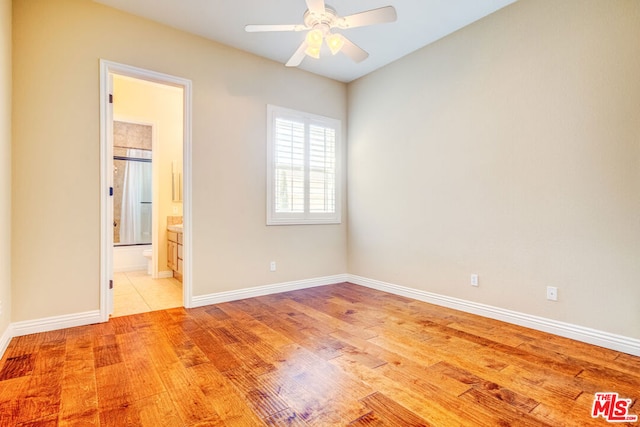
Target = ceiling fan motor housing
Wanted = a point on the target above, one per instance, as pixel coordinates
(321, 21)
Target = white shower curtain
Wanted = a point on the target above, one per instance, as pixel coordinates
(135, 218)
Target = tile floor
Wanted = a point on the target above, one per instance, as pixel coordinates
(136, 292)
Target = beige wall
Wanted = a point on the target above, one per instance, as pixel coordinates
(510, 149)
(5, 163)
(56, 250)
(162, 107)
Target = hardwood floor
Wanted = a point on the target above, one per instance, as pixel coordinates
(333, 355)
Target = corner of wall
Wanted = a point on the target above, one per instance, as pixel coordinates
(5, 172)
(5, 339)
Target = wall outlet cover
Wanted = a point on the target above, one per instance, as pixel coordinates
(474, 280)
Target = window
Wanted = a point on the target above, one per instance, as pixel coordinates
(303, 168)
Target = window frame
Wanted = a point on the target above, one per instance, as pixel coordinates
(306, 217)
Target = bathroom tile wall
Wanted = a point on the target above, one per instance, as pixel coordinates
(125, 135)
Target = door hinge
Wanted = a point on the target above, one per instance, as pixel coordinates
(110, 284)
(110, 98)
(111, 191)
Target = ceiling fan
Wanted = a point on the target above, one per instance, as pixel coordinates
(320, 20)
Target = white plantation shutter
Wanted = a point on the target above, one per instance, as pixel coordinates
(322, 169)
(289, 166)
(303, 168)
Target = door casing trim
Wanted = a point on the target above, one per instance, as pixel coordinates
(106, 168)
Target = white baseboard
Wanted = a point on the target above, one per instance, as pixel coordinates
(578, 333)
(165, 274)
(5, 339)
(202, 300)
(56, 322)
(567, 330)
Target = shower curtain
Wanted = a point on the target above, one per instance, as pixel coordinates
(135, 218)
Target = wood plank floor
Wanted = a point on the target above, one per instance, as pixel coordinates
(328, 356)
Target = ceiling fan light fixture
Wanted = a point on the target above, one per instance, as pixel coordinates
(313, 52)
(335, 43)
(314, 38)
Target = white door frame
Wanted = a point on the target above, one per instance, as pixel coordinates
(106, 177)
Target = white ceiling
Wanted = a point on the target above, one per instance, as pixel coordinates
(420, 22)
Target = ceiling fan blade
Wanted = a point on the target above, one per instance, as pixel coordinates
(369, 17)
(356, 53)
(315, 6)
(285, 27)
(298, 56)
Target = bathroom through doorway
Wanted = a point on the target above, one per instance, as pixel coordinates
(145, 222)
(147, 157)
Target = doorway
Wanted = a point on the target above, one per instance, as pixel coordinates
(146, 189)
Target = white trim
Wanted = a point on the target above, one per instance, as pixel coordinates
(202, 300)
(187, 245)
(165, 274)
(5, 339)
(578, 333)
(56, 322)
(106, 204)
(107, 68)
(300, 218)
(567, 330)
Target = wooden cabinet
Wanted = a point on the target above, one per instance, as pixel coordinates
(179, 263)
(174, 253)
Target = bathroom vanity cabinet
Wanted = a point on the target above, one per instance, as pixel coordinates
(174, 253)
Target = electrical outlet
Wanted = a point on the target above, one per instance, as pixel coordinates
(272, 266)
(552, 293)
(474, 280)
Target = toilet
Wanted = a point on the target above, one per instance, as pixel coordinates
(148, 253)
